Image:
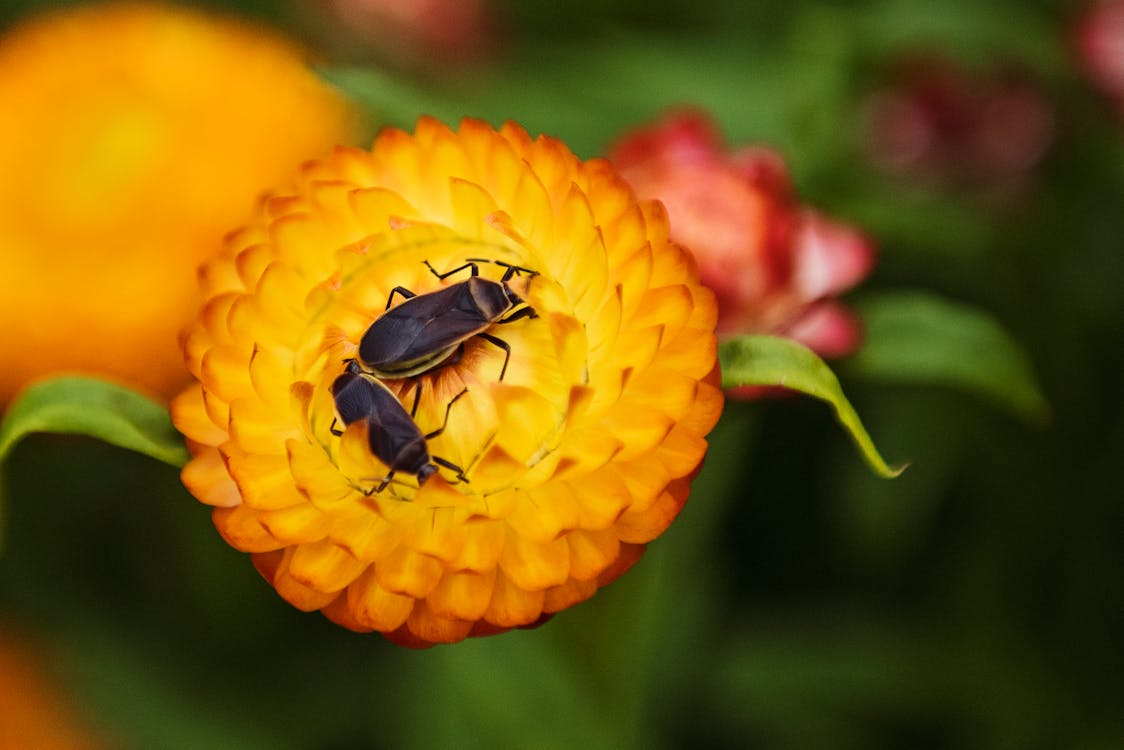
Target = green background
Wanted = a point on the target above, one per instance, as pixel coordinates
(799, 601)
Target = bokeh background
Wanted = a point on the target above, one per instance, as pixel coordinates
(977, 601)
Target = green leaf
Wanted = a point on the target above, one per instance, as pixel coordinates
(777, 361)
(919, 338)
(86, 406)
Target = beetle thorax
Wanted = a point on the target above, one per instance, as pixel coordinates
(492, 299)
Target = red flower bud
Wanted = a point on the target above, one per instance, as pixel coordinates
(774, 264)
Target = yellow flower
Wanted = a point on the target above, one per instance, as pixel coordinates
(578, 458)
(134, 137)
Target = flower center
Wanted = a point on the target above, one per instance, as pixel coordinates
(498, 433)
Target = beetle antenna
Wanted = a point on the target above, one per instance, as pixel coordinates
(513, 270)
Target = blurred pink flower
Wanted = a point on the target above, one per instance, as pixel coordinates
(937, 121)
(416, 33)
(1100, 43)
(774, 264)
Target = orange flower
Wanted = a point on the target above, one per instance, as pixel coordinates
(136, 136)
(578, 458)
(774, 265)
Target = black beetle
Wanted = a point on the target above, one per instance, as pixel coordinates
(426, 329)
(392, 434)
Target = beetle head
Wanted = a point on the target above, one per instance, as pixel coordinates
(426, 472)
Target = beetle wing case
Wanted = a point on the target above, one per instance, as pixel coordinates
(393, 335)
(390, 337)
(424, 328)
(354, 397)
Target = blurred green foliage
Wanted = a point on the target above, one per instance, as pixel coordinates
(799, 601)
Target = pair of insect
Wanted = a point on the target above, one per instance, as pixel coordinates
(423, 333)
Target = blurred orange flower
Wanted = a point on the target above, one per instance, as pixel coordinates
(584, 452)
(774, 265)
(136, 136)
(33, 712)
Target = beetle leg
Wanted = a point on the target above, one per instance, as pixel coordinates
(417, 398)
(470, 264)
(502, 345)
(523, 312)
(448, 408)
(451, 467)
(333, 429)
(381, 485)
(406, 294)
